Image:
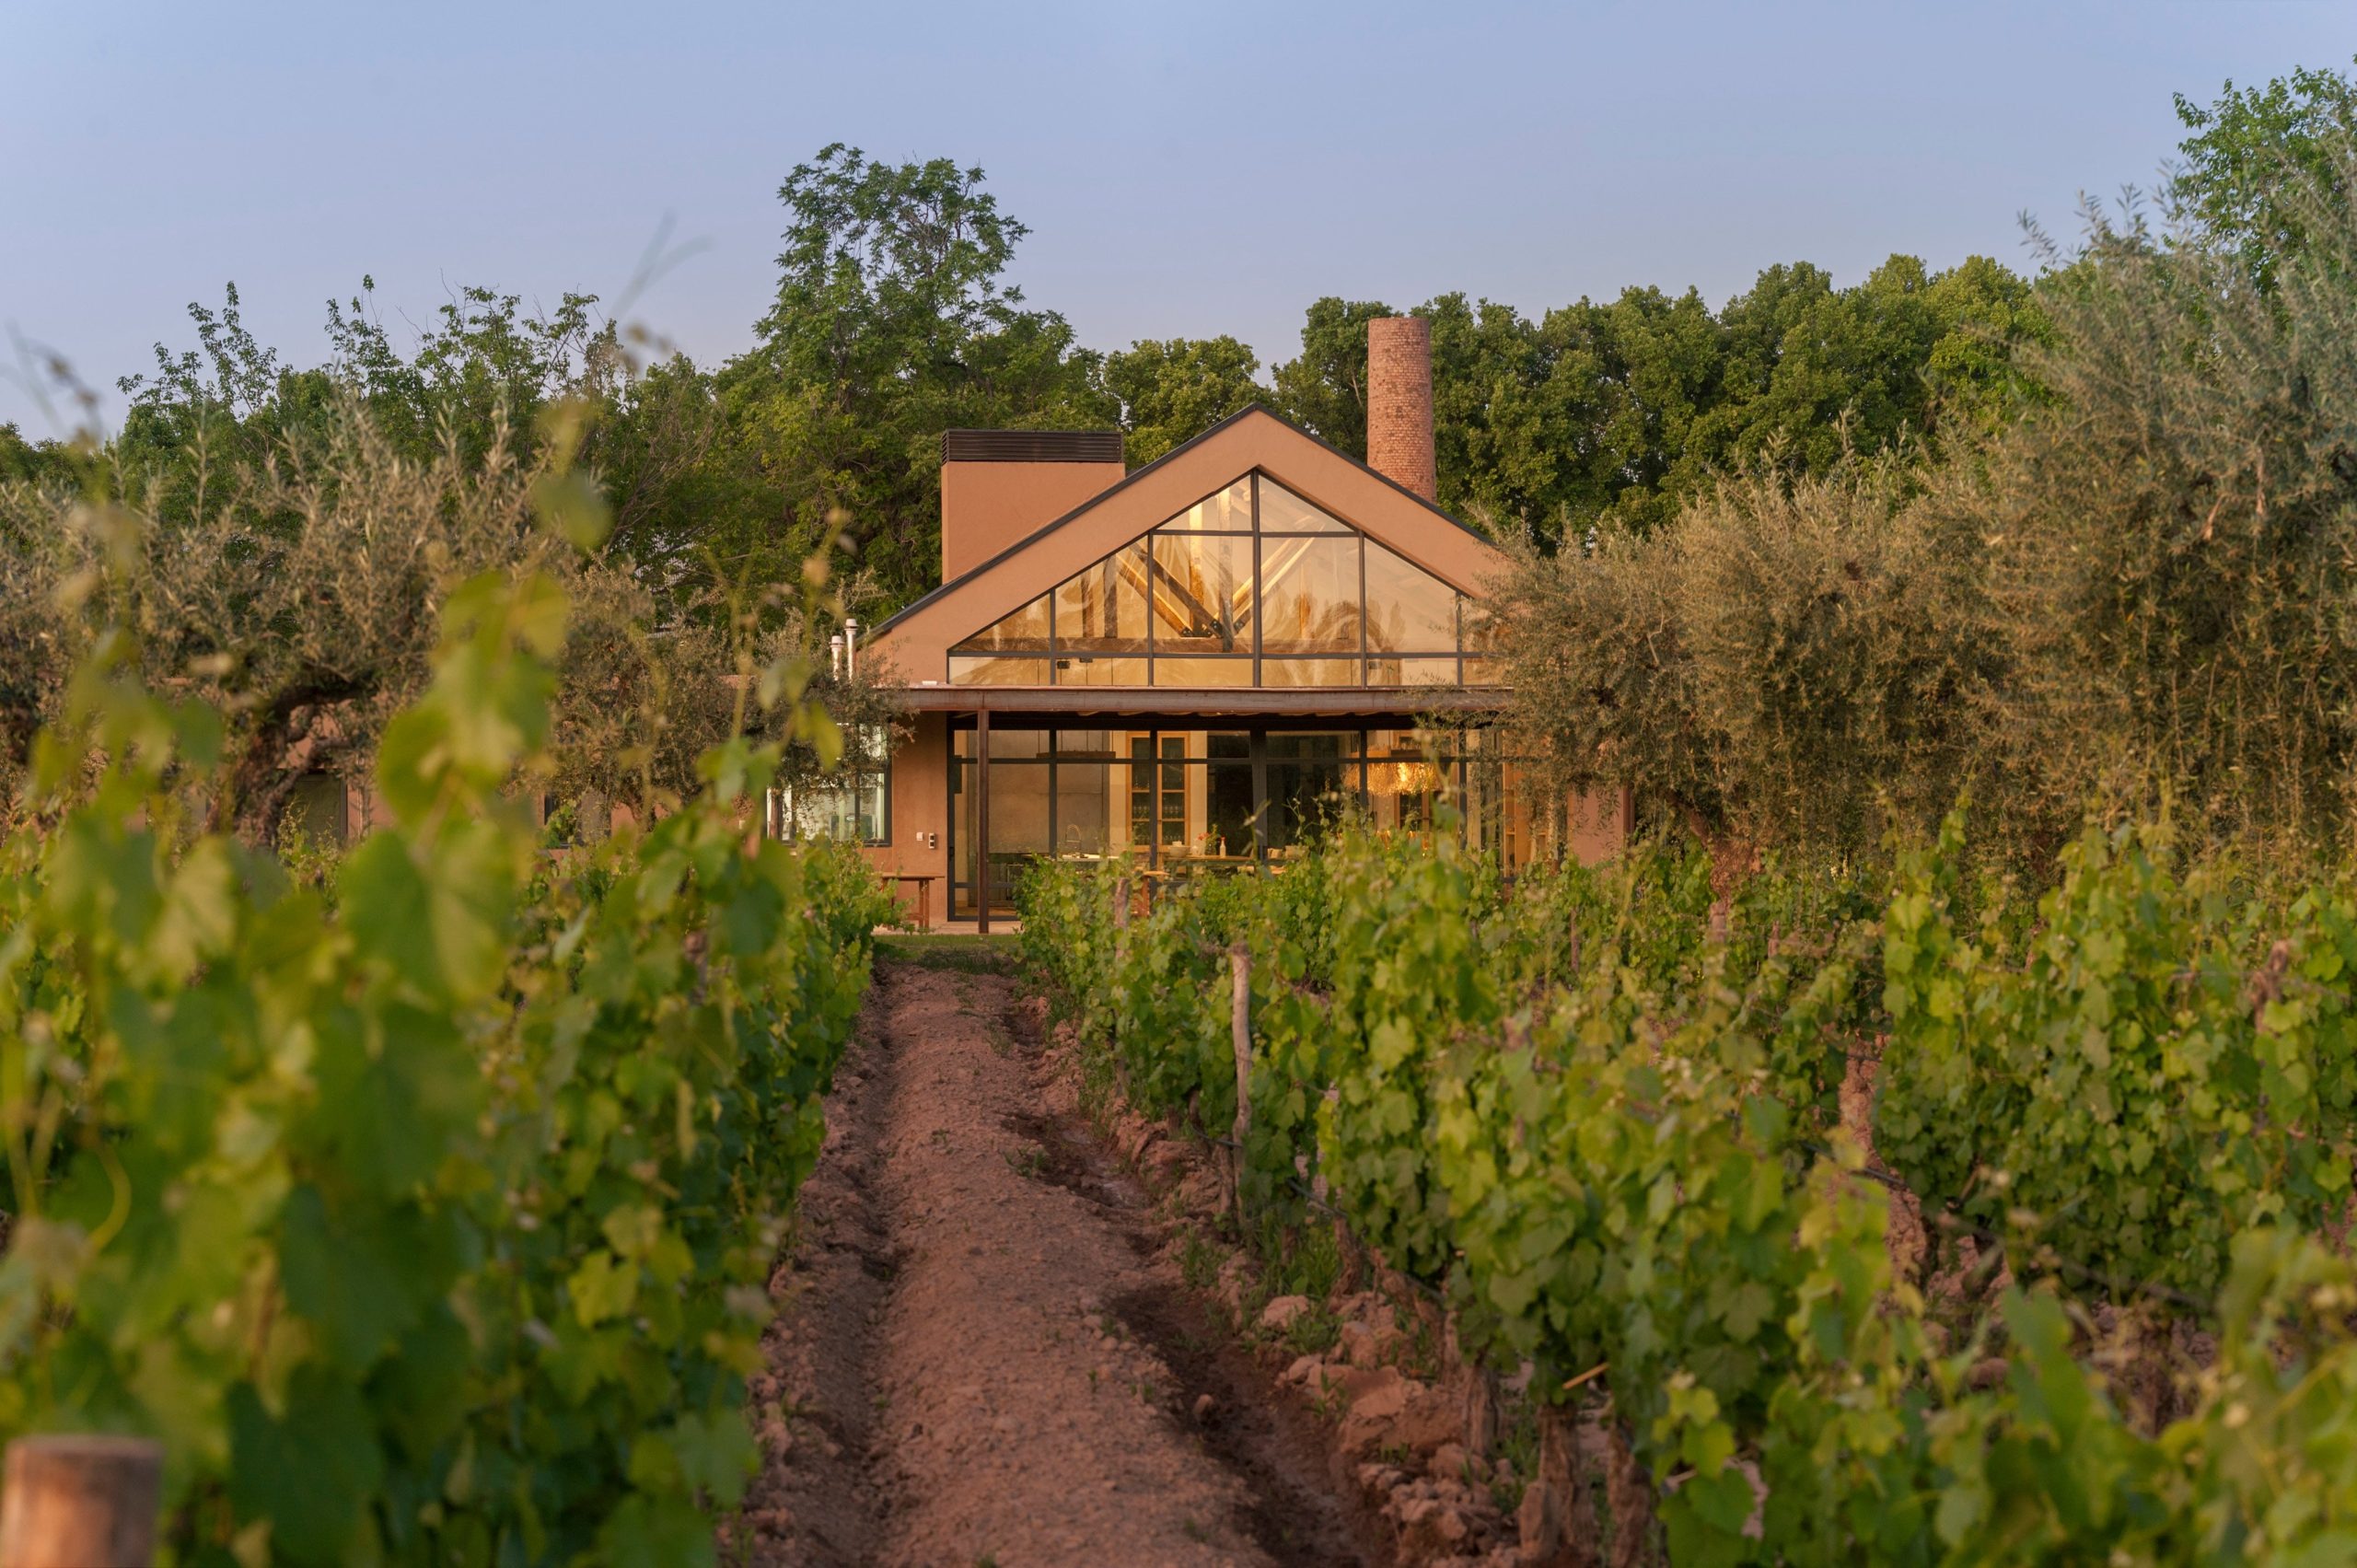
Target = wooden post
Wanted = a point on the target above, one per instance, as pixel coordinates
(1629, 1490)
(983, 821)
(1120, 945)
(1240, 964)
(1558, 1518)
(80, 1503)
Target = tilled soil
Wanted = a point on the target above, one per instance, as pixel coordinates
(980, 1357)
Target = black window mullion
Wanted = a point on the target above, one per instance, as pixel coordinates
(1363, 679)
(1256, 578)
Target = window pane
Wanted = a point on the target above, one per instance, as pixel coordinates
(1412, 672)
(1484, 672)
(1090, 671)
(1089, 744)
(1407, 609)
(1203, 672)
(1309, 596)
(1084, 808)
(1229, 821)
(1309, 672)
(968, 671)
(1006, 745)
(1102, 610)
(1284, 512)
(1311, 780)
(1025, 631)
(1202, 595)
(1228, 510)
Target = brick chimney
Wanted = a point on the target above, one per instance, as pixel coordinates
(999, 486)
(1399, 403)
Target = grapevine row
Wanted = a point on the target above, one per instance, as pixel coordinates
(426, 1214)
(1616, 1143)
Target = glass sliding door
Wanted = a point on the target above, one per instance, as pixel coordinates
(1179, 800)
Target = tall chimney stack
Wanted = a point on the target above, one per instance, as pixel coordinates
(1399, 403)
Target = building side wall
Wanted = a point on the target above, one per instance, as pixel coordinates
(920, 841)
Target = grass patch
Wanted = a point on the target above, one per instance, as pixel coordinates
(962, 954)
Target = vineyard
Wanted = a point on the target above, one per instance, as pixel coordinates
(1926, 1219)
(422, 1208)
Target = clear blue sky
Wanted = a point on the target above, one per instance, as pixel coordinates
(1186, 170)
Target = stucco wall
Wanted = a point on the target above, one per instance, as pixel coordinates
(986, 506)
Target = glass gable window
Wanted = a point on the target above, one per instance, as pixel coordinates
(1252, 585)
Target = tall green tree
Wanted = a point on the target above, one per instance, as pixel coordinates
(1169, 392)
(2253, 156)
(893, 322)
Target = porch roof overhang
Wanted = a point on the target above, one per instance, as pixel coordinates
(1210, 701)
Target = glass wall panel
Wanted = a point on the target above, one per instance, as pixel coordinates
(1202, 594)
(1085, 812)
(1203, 672)
(1225, 511)
(1086, 669)
(1309, 672)
(1484, 672)
(1309, 596)
(1284, 512)
(1006, 745)
(1435, 671)
(1498, 810)
(1025, 631)
(968, 670)
(1102, 610)
(1408, 609)
(1231, 820)
(1312, 780)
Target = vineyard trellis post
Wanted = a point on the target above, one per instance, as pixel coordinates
(1239, 963)
(80, 1502)
(1558, 1523)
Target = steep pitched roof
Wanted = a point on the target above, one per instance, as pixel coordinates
(1250, 439)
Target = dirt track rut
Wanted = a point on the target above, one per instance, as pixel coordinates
(980, 1359)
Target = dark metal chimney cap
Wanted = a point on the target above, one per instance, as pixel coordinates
(1030, 445)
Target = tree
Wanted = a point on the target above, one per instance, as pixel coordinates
(35, 462)
(2250, 155)
(1324, 388)
(892, 323)
(1170, 392)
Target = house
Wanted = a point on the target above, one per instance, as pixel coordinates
(1187, 665)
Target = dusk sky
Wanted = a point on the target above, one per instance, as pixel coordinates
(1186, 170)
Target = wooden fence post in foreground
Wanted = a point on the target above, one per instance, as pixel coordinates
(1239, 963)
(1558, 1519)
(80, 1503)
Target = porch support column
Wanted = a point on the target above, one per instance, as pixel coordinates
(982, 820)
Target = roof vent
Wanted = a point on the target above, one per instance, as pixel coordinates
(999, 486)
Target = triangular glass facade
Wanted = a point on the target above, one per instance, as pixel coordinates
(1252, 585)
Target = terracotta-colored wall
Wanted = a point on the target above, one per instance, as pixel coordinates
(987, 506)
(1600, 826)
(920, 813)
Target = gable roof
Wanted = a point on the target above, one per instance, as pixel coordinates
(1252, 438)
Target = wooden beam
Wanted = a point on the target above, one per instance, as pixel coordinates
(983, 821)
(1374, 701)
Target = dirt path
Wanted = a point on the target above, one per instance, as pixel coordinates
(980, 1359)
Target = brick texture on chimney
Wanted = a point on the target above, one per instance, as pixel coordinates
(1399, 403)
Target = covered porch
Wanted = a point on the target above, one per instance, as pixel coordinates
(1175, 782)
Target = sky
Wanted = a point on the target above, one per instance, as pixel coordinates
(1186, 169)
